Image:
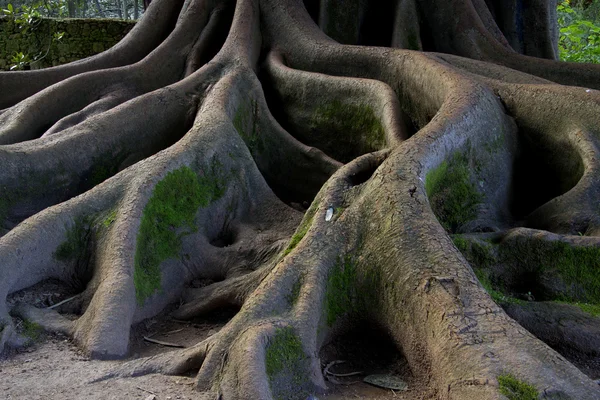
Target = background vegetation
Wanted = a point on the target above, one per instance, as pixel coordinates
(123, 9)
(579, 22)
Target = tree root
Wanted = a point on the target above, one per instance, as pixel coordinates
(210, 170)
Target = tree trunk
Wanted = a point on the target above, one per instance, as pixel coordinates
(452, 181)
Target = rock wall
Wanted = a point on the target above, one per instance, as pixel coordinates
(82, 38)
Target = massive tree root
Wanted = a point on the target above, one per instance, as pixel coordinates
(433, 181)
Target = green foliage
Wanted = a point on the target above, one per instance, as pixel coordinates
(19, 61)
(284, 352)
(27, 17)
(168, 215)
(515, 389)
(453, 197)
(75, 245)
(579, 37)
(347, 130)
(77, 8)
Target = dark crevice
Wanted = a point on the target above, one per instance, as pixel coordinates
(366, 349)
(377, 24)
(312, 6)
(225, 238)
(362, 176)
(543, 170)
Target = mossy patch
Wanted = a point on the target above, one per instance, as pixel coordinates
(347, 130)
(577, 267)
(169, 215)
(452, 195)
(286, 365)
(592, 309)
(301, 231)
(283, 352)
(32, 330)
(496, 292)
(350, 290)
(482, 255)
(245, 122)
(341, 289)
(110, 218)
(295, 293)
(477, 252)
(104, 167)
(515, 389)
(75, 245)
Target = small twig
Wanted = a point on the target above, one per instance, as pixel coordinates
(336, 362)
(63, 302)
(186, 323)
(331, 364)
(175, 331)
(146, 338)
(345, 375)
(144, 390)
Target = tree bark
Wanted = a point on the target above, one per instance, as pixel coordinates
(443, 184)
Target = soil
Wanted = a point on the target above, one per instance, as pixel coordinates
(52, 367)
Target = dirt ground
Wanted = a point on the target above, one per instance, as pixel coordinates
(53, 368)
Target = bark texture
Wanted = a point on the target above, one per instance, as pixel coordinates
(441, 152)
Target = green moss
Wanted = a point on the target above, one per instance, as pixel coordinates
(351, 290)
(593, 309)
(110, 218)
(577, 267)
(303, 228)
(75, 245)
(496, 144)
(453, 197)
(515, 389)
(169, 215)
(299, 234)
(245, 122)
(341, 293)
(496, 293)
(346, 130)
(284, 352)
(478, 253)
(32, 330)
(295, 293)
